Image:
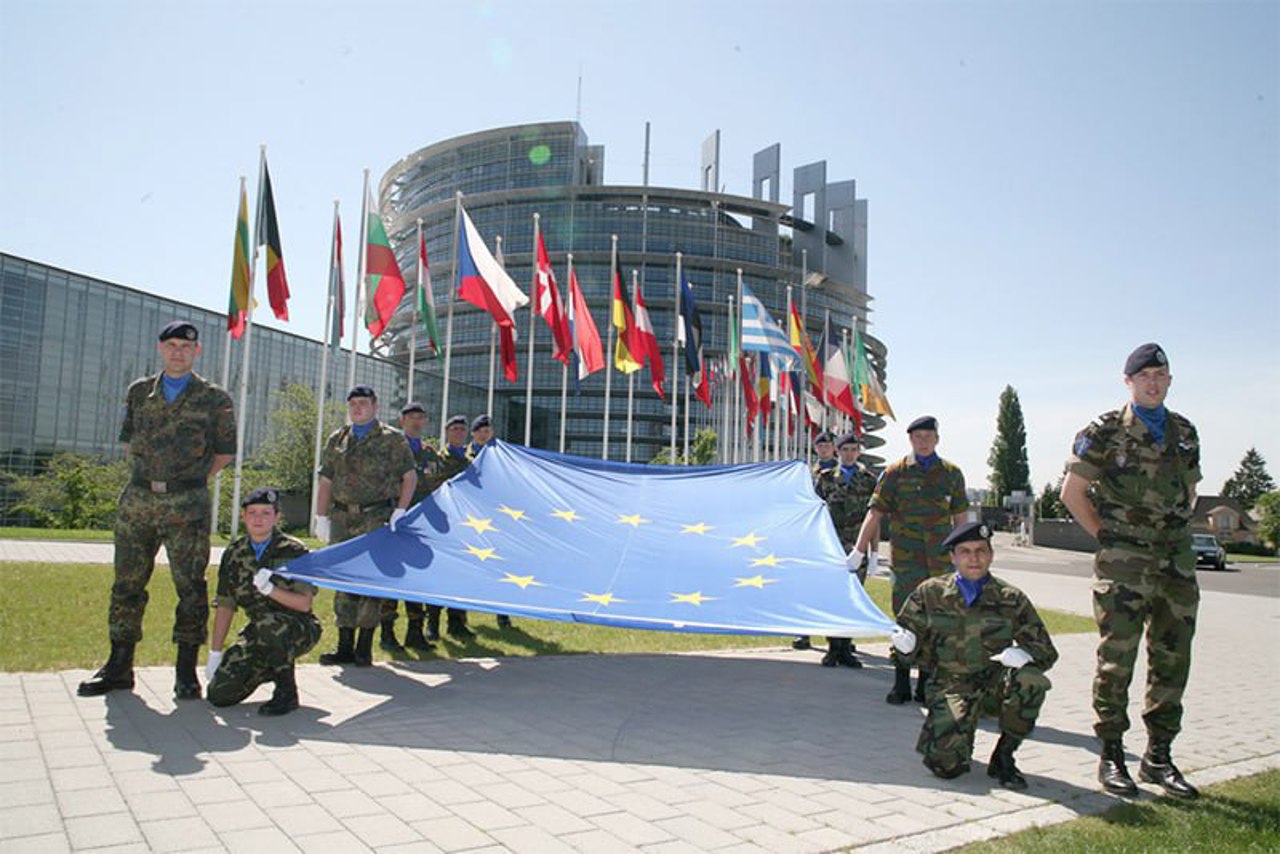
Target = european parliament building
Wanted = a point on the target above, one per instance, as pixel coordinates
(817, 244)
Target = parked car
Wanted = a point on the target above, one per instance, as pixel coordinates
(1208, 552)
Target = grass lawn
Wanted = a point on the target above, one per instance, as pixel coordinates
(1238, 815)
(1232, 557)
(54, 618)
(93, 535)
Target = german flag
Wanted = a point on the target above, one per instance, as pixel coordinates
(623, 358)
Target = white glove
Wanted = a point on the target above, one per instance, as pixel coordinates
(211, 666)
(321, 526)
(396, 516)
(1012, 656)
(854, 560)
(262, 581)
(903, 640)
(873, 560)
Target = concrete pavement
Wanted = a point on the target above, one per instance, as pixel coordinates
(762, 750)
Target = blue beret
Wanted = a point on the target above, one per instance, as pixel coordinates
(180, 329)
(924, 422)
(456, 419)
(412, 406)
(262, 495)
(481, 421)
(362, 391)
(1147, 356)
(966, 531)
(848, 439)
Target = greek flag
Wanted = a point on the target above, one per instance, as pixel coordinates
(761, 333)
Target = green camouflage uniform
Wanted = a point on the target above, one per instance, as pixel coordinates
(955, 643)
(364, 479)
(171, 451)
(847, 502)
(1144, 570)
(274, 636)
(921, 506)
(428, 465)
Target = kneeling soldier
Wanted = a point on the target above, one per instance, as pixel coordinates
(281, 627)
(963, 628)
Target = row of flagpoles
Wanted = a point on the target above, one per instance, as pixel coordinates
(766, 375)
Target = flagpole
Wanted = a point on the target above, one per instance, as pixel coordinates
(330, 309)
(226, 373)
(448, 335)
(493, 336)
(413, 329)
(675, 359)
(786, 445)
(844, 350)
(248, 342)
(533, 311)
(564, 373)
(609, 357)
(631, 377)
(737, 307)
(687, 383)
(361, 266)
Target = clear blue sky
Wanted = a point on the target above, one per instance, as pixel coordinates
(1050, 183)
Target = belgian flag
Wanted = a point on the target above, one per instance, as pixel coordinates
(269, 236)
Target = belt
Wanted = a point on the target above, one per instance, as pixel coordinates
(163, 487)
(1143, 533)
(361, 508)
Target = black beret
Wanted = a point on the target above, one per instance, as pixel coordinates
(362, 391)
(481, 421)
(180, 329)
(456, 419)
(1147, 356)
(824, 436)
(966, 531)
(262, 495)
(412, 406)
(924, 422)
(848, 439)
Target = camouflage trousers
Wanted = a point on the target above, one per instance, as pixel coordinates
(1013, 696)
(352, 610)
(906, 579)
(144, 522)
(262, 651)
(1136, 589)
(413, 611)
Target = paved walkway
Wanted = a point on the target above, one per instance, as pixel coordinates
(760, 751)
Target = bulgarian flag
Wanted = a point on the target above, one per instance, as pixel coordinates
(384, 284)
(238, 305)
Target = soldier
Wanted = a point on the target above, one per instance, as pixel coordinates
(964, 628)
(178, 431)
(367, 477)
(847, 488)
(451, 462)
(1131, 483)
(413, 422)
(481, 434)
(280, 628)
(924, 497)
(825, 449)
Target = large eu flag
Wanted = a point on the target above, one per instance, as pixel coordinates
(733, 549)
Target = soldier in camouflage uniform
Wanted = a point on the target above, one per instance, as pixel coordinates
(847, 488)
(963, 629)
(280, 627)
(824, 450)
(178, 431)
(1131, 483)
(367, 478)
(924, 496)
(452, 461)
(482, 433)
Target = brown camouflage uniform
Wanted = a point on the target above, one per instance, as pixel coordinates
(365, 484)
(171, 451)
(847, 502)
(274, 636)
(955, 644)
(1144, 570)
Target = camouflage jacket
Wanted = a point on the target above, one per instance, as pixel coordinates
(956, 641)
(1143, 491)
(368, 471)
(921, 506)
(176, 441)
(240, 564)
(432, 469)
(847, 502)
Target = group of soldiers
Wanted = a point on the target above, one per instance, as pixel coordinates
(978, 643)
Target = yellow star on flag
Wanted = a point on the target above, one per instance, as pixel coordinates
(483, 554)
(700, 528)
(522, 581)
(480, 525)
(516, 515)
(600, 598)
(567, 515)
(633, 520)
(750, 540)
(692, 598)
(767, 560)
(757, 581)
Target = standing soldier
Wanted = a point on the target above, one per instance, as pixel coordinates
(453, 461)
(178, 431)
(1131, 483)
(367, 478)
(825, 450)
(280, 628)
(481, 434)
(847, 488)
(924, 497)
(988, 651)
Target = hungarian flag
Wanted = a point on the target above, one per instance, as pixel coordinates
(691, 336)
(645, 342)
(238, 305)
(587, 350)
(547, 299)
(426, 296)
(483, 283)
(384, 283)
(269, 236)
(800, 340)
(624, 359)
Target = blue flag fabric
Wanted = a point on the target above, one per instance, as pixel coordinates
(746, 549)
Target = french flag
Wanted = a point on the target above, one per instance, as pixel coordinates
(483, 283)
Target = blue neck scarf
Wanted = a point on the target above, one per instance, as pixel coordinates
(971, 590)
(362, 430)
(847, 472)
(459, 451)
(172, 388)
(928, 462)
(824, 465)
(260, 547)
(415, 444)
(1155, 419)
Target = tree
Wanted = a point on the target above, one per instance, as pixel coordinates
(1049, 505)
(702, 451)
(288, 455)
(1268, 507)
(73, 491)
(1008, 458)
(1250, 482)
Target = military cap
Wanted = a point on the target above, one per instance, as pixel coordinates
(824, 436)
(412, 406)
(180, 329)
(849, 438)
(362, 391)
(966, 531)
(481, 421)
(262, 495)
(456, 419)
(924, 422)
(1147, 356)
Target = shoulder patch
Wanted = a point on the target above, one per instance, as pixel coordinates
(1082, 444)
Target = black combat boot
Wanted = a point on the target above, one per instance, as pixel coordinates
(456, 623)
(845, 656)
(1112, 774)
(946, 772)
(433, 623)
(504, 621)
(1157, 767)
(345, 653)
(922, 679)
(115, 675)
(832, 656)
(802, 642)
(364, 648)
(413, 637)
(901, 686)
(387, 636)
(285, 698)
(1002, 766)
(185, 684)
